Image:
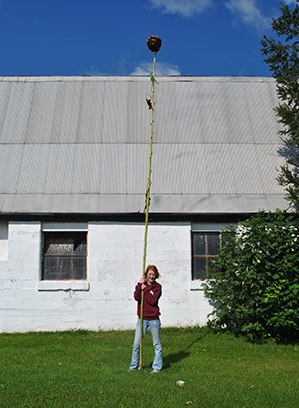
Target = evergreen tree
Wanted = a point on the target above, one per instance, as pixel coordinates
(281, 53)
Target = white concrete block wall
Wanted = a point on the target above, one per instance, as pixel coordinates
(19, 275)
(115, 253)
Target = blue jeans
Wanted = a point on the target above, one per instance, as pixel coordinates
(154, 326)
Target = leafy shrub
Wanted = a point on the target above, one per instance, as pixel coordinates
(256, 290)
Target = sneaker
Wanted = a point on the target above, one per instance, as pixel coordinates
(154, 372)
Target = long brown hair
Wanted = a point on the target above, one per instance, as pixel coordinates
(152, 268)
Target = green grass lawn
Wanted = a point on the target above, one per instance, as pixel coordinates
(90, 369)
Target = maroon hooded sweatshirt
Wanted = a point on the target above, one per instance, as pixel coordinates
(152, 294)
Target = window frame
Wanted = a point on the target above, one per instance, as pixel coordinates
(206, 256)
(214, 227)
(4, 230)
(59, 257)
(63, 284)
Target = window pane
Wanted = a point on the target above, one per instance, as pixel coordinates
(64, 268)
(49, 268)
(199, 268)
(213, 244)
(80, 246)
(59, 245)
(199, 246)
(67, 248)
(79, 268)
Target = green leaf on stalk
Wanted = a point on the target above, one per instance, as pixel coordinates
(153, 79)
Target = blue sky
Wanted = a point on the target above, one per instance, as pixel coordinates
(99, 37)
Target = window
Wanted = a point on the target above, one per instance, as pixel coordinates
(3, 241)
(205, 247)
(64, 255)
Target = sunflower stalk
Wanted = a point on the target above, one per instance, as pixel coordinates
(152, 76)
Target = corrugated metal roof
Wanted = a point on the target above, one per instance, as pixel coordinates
(80, 144)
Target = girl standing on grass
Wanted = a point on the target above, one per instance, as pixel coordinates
(151, 312)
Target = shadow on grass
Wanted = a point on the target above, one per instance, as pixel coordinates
(174, 358)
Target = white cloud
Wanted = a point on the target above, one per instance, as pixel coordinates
(93, 71)
(186, 8)
(249, 13)
(162, 69)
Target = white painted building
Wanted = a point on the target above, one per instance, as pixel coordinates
(73, 173)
